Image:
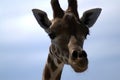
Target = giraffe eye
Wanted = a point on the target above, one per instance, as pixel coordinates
(52, 35)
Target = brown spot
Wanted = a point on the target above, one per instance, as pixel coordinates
(51, 63)
(47, 73)
(59, 62)
(58, 76)
(53, 66)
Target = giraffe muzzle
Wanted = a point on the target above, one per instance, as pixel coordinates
(79, 61)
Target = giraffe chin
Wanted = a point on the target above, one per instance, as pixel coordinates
(79, 65)
(79, 69)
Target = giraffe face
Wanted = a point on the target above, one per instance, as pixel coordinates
(67, 31)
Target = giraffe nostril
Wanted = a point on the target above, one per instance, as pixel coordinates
(83, 54)
(74, 54)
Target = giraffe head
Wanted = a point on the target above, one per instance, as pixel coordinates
(67, 31)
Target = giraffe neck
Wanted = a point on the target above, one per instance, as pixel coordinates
(53, 68)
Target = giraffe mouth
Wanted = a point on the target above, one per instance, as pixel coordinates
(79, 69)
(80, 66)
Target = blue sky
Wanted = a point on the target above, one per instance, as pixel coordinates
(24, 45)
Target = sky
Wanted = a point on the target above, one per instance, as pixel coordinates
(24, 44)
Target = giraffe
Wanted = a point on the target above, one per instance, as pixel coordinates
(67, 32)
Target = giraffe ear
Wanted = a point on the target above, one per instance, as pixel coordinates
(41, 18)
(89, 17)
